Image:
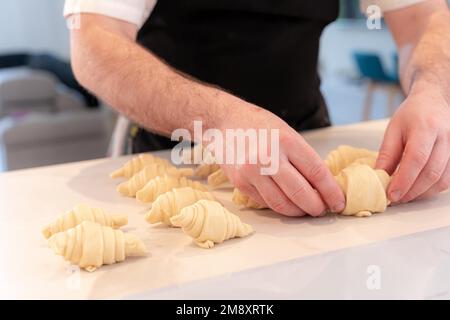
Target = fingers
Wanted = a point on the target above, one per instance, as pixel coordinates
(391, 150)
(313, 168)
(432, 171)
(442, 185)
(298, 190)
(416, 155)
(274, 197)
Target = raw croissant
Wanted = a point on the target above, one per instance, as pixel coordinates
(343, 156)
(136, 164)
(217, 178)
(208, 222)
(365, 190)
(363, 186)
(170, 204)
(91, 245)
(243, 200)
(207, 167)
(162, 184)
(138, 181)
(82, 213)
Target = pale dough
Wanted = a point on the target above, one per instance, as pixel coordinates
(80, 213)
(208, 222)
(363, 186)
(136, 164)
(365, 190)
(162, 184)
(170, 203)
(343, 156)
(217, 178)
(245, 201)
(207, 167)
(139, 180)
(91, 245)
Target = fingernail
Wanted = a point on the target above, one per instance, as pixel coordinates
(339, 207)
(395, 195)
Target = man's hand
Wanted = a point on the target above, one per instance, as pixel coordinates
(416, 146)
(302, 185)
(418, 138)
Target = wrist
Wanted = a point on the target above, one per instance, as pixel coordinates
(430, 84)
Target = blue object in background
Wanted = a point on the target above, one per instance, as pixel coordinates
(371, 67)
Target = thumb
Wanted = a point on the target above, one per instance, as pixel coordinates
(391, 150)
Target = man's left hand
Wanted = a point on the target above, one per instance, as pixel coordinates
(416, 146)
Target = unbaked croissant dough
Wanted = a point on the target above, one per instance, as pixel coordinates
(245, 201)
(206, 169)
(365, 190)
(82, 213)
(162, 184)
(363, 186)
(343, 156)
(138, 181)
(217, 178)
(91, 245)
(170, 203)
(208, 222)
(208, 163)
(136, 164)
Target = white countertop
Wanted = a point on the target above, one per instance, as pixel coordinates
(283, 256)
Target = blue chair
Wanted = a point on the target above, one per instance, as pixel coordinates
(371, 69)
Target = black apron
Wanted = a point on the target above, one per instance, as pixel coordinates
(264, 51)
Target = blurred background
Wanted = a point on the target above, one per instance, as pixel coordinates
(47, 118)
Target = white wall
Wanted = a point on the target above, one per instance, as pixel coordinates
(36, 25)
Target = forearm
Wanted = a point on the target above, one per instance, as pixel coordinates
(138, 84)
(426, 60)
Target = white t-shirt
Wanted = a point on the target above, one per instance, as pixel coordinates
(138, 11)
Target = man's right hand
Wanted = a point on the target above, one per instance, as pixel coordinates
(302, 184)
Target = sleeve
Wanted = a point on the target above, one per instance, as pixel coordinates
(387, 5)
(133, 11)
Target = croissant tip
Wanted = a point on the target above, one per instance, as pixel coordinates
(248, 228)
(153, 216)
(120, 220)
(57, 243)
(176, 220)
(123, 189)
(116, 174)
(46, 232)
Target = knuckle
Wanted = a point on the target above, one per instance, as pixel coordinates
(432, 175)
(419, 157)
(432, 123)
(317, 172)
(383, 156)
(298, 193)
